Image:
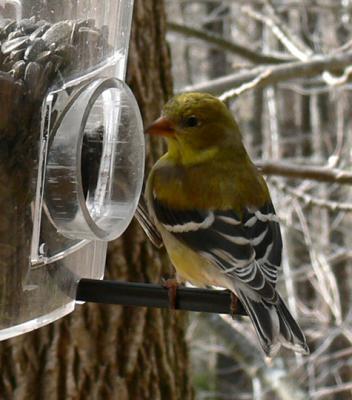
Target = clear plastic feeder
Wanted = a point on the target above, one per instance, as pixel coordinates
(72, 158)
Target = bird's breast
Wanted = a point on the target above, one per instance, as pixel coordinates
(191, 266)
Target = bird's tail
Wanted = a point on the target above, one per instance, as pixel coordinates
(274, 325)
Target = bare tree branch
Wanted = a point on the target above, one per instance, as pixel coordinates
(298, 116)
(321, 174)
(292, 43)
(328, 391)
(231, 47)
(273, 377)
(244, 87)
(278, 73)
(309, 200)
(332, 5)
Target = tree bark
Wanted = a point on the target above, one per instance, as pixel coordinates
(112, 352)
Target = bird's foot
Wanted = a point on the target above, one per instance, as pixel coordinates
(171, 284)
(233, 305)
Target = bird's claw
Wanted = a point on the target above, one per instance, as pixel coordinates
(233, 305)
(171, 285)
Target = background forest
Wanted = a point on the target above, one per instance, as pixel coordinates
(284, 69)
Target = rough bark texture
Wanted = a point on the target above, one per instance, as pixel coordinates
(111, 352)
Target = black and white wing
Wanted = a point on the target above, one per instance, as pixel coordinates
(246, 248)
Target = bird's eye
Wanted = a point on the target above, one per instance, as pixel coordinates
(192, 121)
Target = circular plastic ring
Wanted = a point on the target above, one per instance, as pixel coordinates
(95, 164)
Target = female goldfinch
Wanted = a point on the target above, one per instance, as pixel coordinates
(214, 213)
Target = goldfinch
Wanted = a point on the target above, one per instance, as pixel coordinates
(215, 216)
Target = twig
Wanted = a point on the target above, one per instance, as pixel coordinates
(332, 80)
(345, 47)
(329, 390)
(320, 174)
(246, 86)
(291, 43)
(328, 289)
(312, 90)
(278, 73)
(293, 4)
(327, 358)
(231, 47)
(286, 29)
(309, 200)
(340, 106)
(274, 377)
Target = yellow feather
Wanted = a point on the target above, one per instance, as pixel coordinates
(190, 266)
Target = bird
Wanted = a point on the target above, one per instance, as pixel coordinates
(214, 213)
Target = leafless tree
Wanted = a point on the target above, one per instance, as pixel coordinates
(290, 88)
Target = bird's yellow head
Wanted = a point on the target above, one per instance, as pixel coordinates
(196, 126)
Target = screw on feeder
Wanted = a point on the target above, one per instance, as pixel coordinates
(68, 75)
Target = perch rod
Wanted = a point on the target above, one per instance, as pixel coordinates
(150, 295)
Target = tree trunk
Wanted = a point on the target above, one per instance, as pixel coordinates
(112, 352)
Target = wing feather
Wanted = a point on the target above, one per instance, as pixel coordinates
(246, 248)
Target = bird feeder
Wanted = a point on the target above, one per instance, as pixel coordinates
(71, 151)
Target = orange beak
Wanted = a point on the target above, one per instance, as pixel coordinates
(161, 127)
